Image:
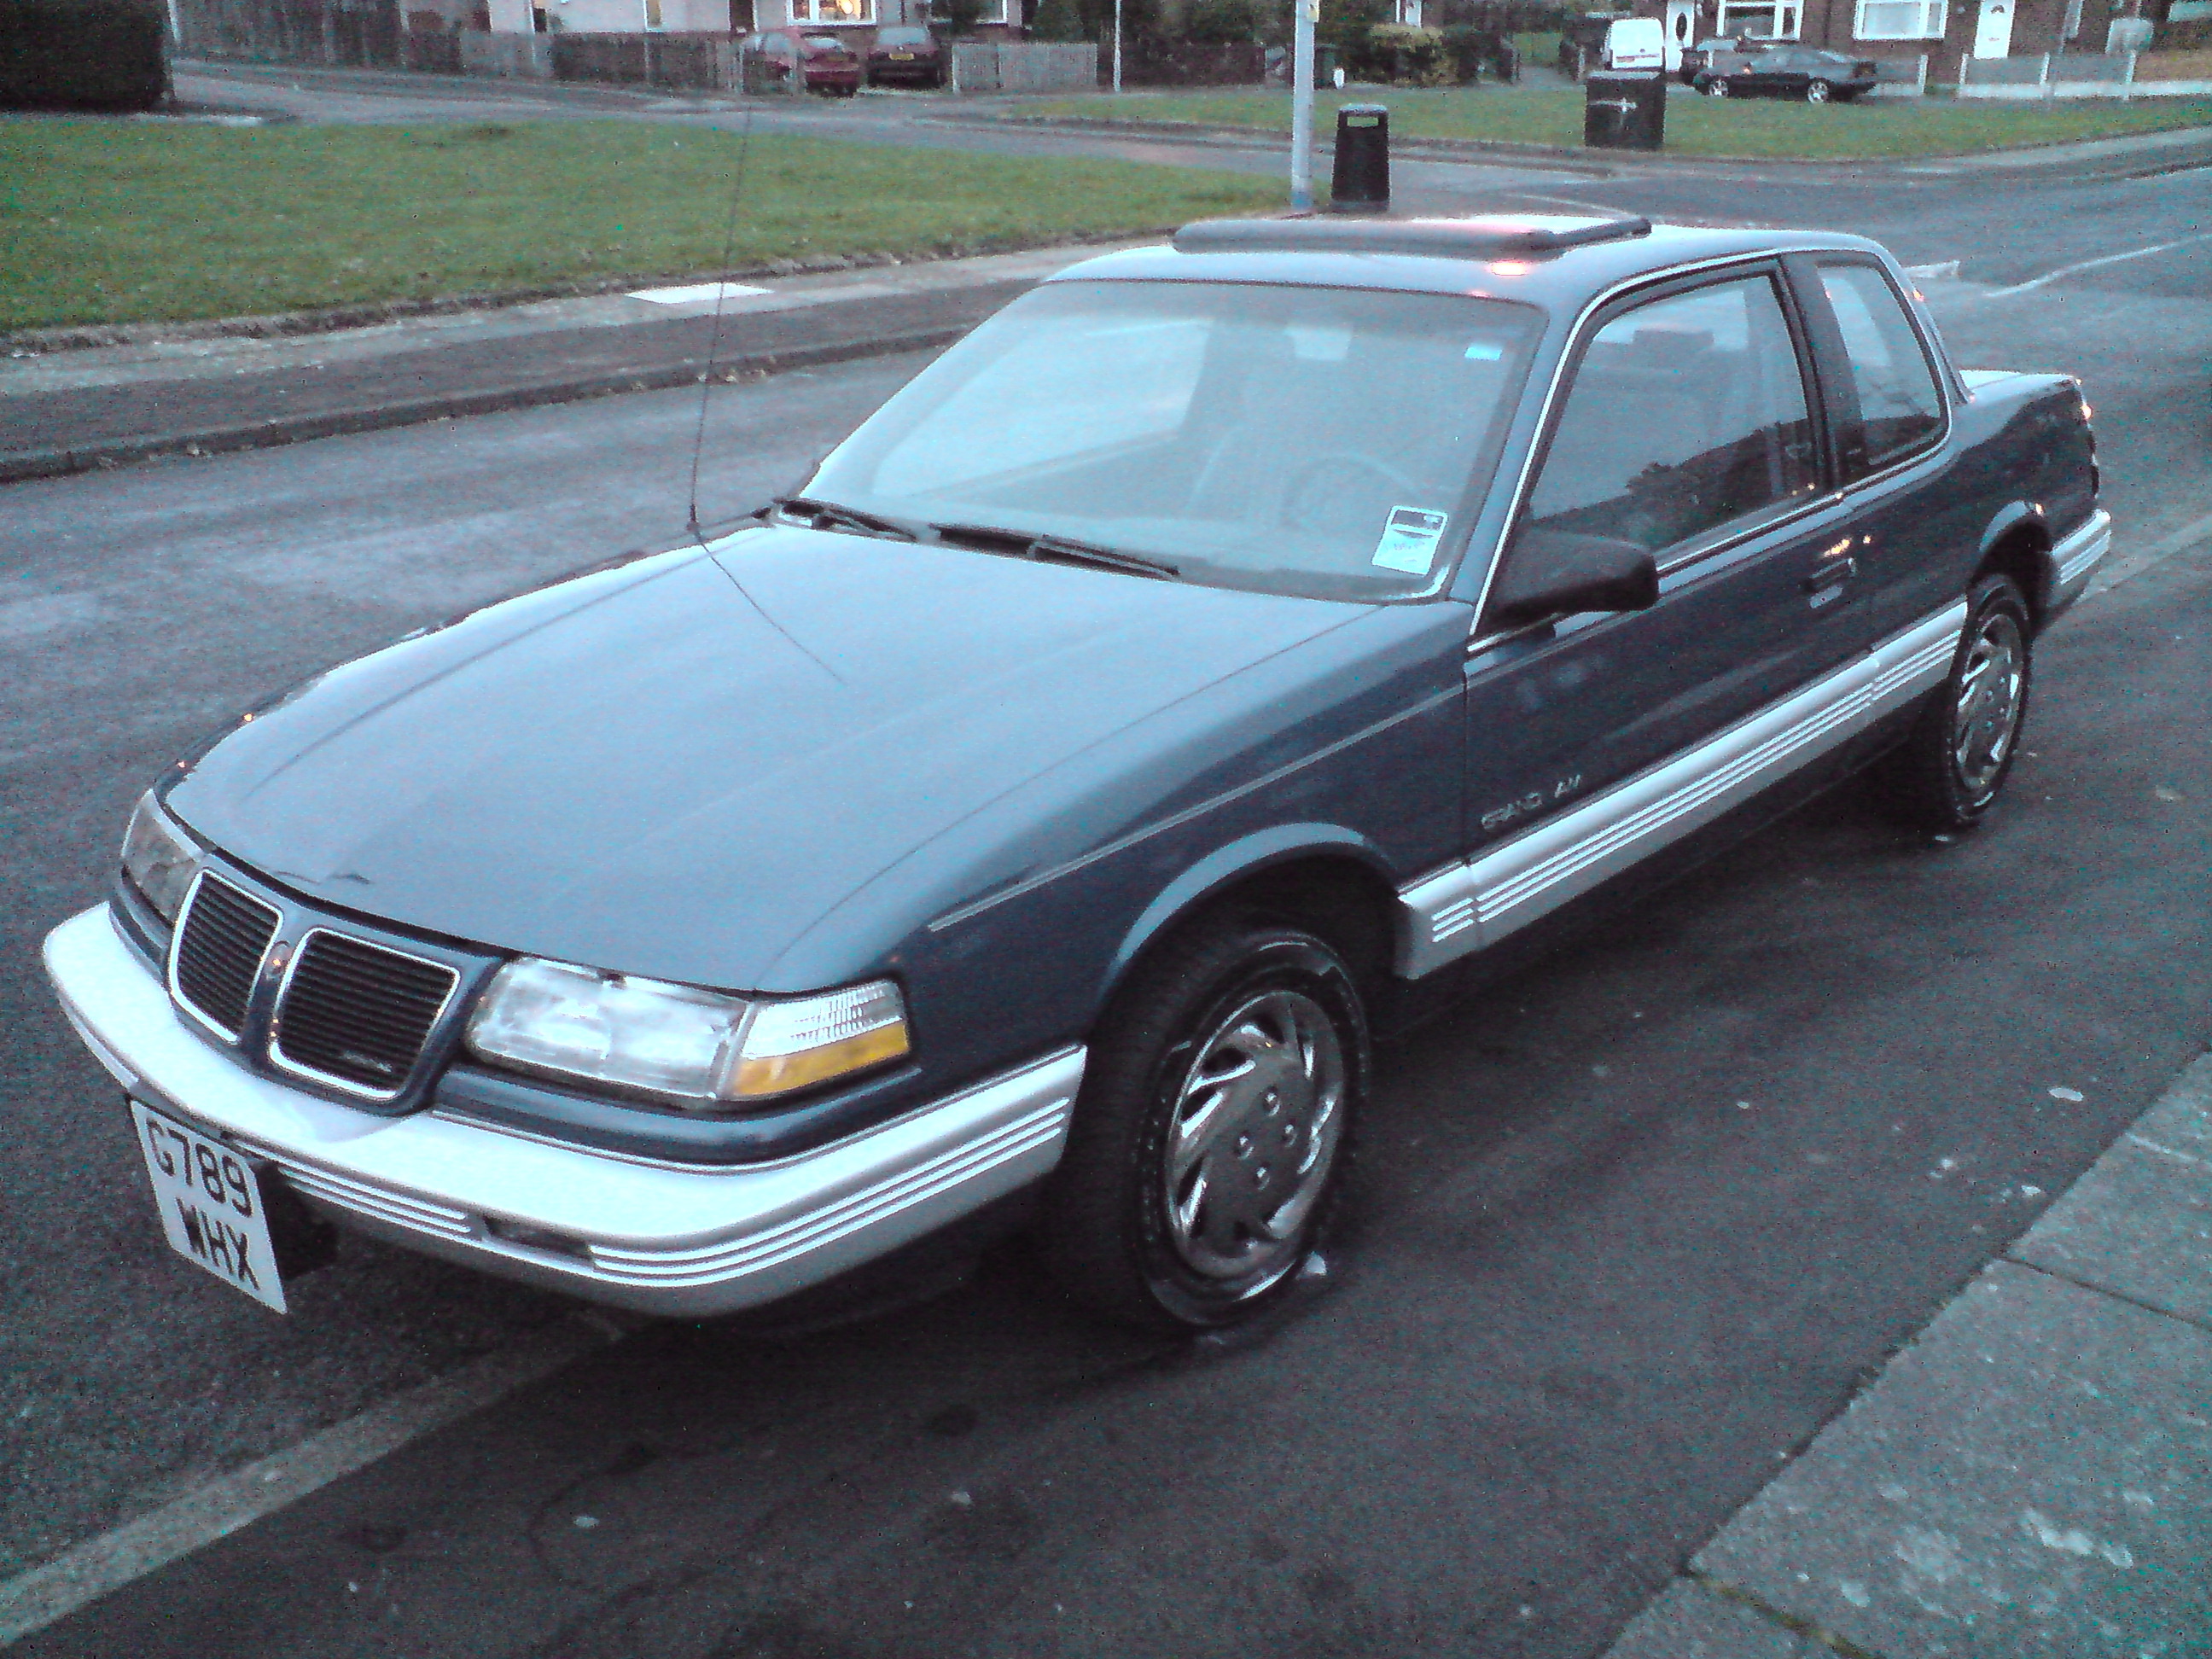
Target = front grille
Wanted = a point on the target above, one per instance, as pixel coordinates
(221, 940)
(358, 1014)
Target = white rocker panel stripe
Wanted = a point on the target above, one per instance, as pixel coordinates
(1470, 905)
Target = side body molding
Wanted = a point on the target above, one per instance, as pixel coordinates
(1468, 906)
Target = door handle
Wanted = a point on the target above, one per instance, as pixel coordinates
(1829, 574)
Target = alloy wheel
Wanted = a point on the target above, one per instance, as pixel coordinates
(1252, 1137)
(1985, 719)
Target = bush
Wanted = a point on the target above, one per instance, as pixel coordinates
(83, 54)
(1415, 57)
(1345, 28)
(1057, 20)
(1221, 22)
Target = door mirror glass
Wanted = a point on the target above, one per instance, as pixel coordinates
(1548, 571)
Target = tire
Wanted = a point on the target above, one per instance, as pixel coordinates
(1946, 775)
(1149, 1235)
(1817, 92)
(1716, 87)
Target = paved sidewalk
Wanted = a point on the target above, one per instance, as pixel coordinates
(72, 411)
(2031, 1478)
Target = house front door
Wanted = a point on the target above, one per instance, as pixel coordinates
(1681, 30)
(1993, 33)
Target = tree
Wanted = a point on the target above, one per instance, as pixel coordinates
(1058, 20)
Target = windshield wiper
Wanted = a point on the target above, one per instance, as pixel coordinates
(831, 516)
(1057, 550)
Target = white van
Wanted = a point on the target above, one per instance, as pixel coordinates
(1636, 43)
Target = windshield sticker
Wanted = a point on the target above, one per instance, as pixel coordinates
(1409, 540)
(1486, 351)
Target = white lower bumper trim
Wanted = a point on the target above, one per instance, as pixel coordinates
(659, 1239)
(2078, 556)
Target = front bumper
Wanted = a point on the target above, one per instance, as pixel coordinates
(661, 1238)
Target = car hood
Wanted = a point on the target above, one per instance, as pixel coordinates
(673, 768)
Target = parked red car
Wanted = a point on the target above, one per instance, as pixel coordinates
(823, 63)
(906, 57)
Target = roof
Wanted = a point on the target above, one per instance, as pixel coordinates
(1550, 260)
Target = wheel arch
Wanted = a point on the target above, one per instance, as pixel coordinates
(2017, 543)
(1325, 877)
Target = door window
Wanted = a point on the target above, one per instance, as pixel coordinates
(1687, 415)
(1900, 407)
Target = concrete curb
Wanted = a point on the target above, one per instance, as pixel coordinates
(2057, 1375)
(23, 465)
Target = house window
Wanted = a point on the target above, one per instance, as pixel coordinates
(1409, 13)
(1900, 20)
(1762, 20)
(834, 12)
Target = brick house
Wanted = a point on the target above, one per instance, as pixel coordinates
(855, 20)
(1900, 30)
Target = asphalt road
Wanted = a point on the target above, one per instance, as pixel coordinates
(1628, 1229)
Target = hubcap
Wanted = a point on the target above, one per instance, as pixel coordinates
(1255, 1133)
(1986, 717)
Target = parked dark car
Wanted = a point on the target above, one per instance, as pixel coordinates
(1028, 821)
(1728, 69)
(821, 62)
(906, 57)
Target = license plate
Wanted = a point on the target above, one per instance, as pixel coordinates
(902, 58)
(211, 1207)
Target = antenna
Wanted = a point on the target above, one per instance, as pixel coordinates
(714, 340)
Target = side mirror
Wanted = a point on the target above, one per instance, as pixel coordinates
(1550, 571)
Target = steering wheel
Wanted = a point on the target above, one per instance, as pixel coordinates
(1324, 498)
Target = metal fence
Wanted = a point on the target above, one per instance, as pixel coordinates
(1023, 66)
(679, 62)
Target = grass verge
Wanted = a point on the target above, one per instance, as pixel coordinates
(105, 223)
(1756, 128)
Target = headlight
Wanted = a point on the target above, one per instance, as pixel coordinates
(697, 1049)
(158, 858)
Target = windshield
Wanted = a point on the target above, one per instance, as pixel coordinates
(901, 37)
(1320, 441)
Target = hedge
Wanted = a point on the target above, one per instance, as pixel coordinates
(83, 54)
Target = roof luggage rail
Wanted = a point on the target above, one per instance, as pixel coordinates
(1432, 239)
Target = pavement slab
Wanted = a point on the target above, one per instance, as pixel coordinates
(2139, 1225)
(2031, 1479)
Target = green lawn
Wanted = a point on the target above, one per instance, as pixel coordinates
(102, 222)
(1756, 127)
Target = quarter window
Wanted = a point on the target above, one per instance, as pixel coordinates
(1899, 405)
(1687, 415)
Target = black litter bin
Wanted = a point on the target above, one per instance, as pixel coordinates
(1624, 109)
(1360, 182)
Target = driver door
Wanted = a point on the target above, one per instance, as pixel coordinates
(1689, 425)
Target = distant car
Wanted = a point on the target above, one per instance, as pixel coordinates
(1023, 823)
(906, 57)
(1719, 56)
(821, 62)
(1793, 71)
(1582, 42)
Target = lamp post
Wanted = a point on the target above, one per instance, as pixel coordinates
(1117, 46)
(1304, 14)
